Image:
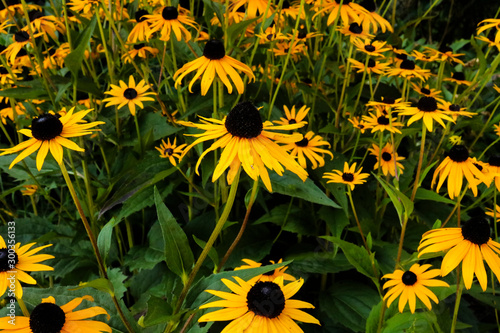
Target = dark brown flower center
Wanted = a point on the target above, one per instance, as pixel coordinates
(168, 151)
(35, 14)
(139, 46)
(292, 121)
(459, 76)
(369, 5)
(477, 230)
(425, 91)
(302, 143)
(427, 104)
(383, 120)
(371, 63)
(214, 50)
(140, 15)
(370, 48)
(169, 13)
(302, 34)
(401, 56)
(407, 64)
(388, 100)
(21, 36)
(409, 278)
(47, 318)
(347, 177)
(244, 121)
(130, 93)
(458, 153)
(46, 127)
(266, 299)
(386, 156)
(355, 28)
(454, 107)
(3, 71)
(494, 160)
(5, 257)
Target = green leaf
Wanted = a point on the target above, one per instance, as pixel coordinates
(117, 278)
(178, 255)
(412, 322)
(105, 236)
(101, 284)
(235, 30)
(358, 257)
(159, 311)
(23, 93)
(291, 185)
(212, 253)
(73, 61)
(403, 205)
(424, 194)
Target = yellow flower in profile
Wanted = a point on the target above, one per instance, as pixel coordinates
(129, 94)
(29, 189)
(349, 176)
(269, 276)
(170, 20)
(349, 11)
(488, 24)
(214, 62)
(293, 116)
(373, 48)
(426, 90)
(493, 171)
(309, 147)
(16, 260)
(427, 109)
(254, 8)
(140, 31)
(469, 245)
(372, 66)
(408, 69)
(297, 49)
(371, 19)
(359, 124)
(139, 50)
(265, 306)
(247, 142)
(387, 156)
(20, 39)
(459, 78)
(410, 284)
(454, 167)
(497, 129)
(49, 317)
(50, 132)
(491, 213)
(171, 151)
(454, 110)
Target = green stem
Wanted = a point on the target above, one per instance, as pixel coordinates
(460, 287)
(420, 160)
(23, 307)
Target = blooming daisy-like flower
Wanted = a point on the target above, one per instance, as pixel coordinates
(497, 129)
(309, 147)
(490, 42)
(455, 140)
(380, 122)
(265, 306)
(371, 19)
(170, 20)
(412, 284)
(349, 176)
(214, 62)
(254, 8)
(408, 69)
(269, 276)
(459, 78)
(83, 7)
(371, 67)
(488, 24)
(425, 90)
(247, 142)
(373, 48)
(29, 189)
(50, 132)
(355, 31)
(424, 57)
(46, 25)
(388, 103)
(349, 11)
(445, 54)
(454, 110)
(11, 113)
(359, 124)
(171, 151)
(140, 50)
(50, 317)
(387, 159)
(296, 49)
(454, 167)
(16, 260)
(130, 95)
(6, 77)
(470, 245)
(493, 172)
(427, 109)
(21, 39)
(141, 29)
(292, 116)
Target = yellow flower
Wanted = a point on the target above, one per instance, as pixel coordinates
(171, 151)
(359, 124)
(269, 276)
(349, 176)
(29, 189)
(50, 132)
(380, 122)
(169, 20)
(427, 109)
(309, 147)
(130, 95)
(214, 62)
(491, 213)
(412, 284)
(387, 157)
(408, 69)
(292, 116)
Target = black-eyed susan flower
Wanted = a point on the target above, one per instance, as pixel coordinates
(445, 53)
(83, 7)
(269, 276)
(371, 20)
(349, 176)
(493, 171)
(50, 317)
(454, 167)
(388, 103)
(408, 69)
(488, 24)
(349, 11)
(424, 57)
(293, 116)
(425, 90)
(373, 48)
(410, 284)
(50, 133)
(214, 62)
(454, 110)
(254, 8)
(139, 50)
(47, 25)
(29, 189)
(129, 94)
(359, 124)
(469, 245)
(428, 110)
(389, 159)
(168, 21)
(492, 213)
(6, 76)
(141, 29)
(7, 111)
(296, 50)
(497, 129)
(171, 151)
(490, 42)
(309, 147)
(24, 260)
(380, 122)
(373, 66)
(459, 78)
(354, 31)
(20, 40)
(247, 142)
(260, 307)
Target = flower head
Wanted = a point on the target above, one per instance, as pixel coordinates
(50, 317)
(427, 109)
(29, 189)
(309, 147)
(469, 245)
(269, 276)
(168, 21)
(381, 122)
(129, 94)
(171, 151)
(408, 69)
(50, 132)
(349, 176)
(293, 116)
(387, 159)
(214, 62)
(410, 284)
(264, 306)
(359, 124)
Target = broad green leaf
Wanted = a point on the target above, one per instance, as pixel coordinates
(412, 322)
(101, 284)
(403, 205)
(22, 93)
(424, 194)
(178, 255)
(73, 61)
(105, 236)
(159, 311)
(291, 185)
